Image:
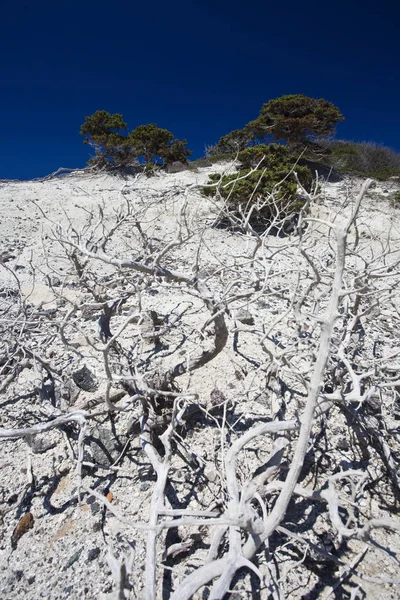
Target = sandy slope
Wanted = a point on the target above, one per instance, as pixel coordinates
(65, 554)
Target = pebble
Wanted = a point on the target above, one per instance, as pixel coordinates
(73, 559)
(93, 554)
(95, 508)
(245, 317)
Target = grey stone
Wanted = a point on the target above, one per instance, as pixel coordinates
(95, 508)
(245, 317)
(73, 559)
(85, 379)
(176, 167)
(103, 447)
(93, 554)
(89, 313)
(41, 442)
(69, 393)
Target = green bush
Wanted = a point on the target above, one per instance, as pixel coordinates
(296, 119)
(176, 151)
(153, 144)
(366, 159)
(149, 143)
(247, 188)
(232, 143)
(102, 131)
(271, 157)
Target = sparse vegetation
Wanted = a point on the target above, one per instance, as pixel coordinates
(187, 405)
(304, 124)
(366, 159)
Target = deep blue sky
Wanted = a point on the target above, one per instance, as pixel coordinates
(199, 68)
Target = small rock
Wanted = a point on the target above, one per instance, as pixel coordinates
(211, 474)
(89, 313)
(103, 446)
(85, 379)
(95, 508)
(41, 442)
(7, 256)
(69, 394)
(245, 317)
(93, 554)
(176, 167)
(24, 524)
(217, 397)
(342, 444)
(73, 559)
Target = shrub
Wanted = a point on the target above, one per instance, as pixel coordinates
(102, 131)
(367, 159)
(153, 144)
(105, 132)
(271, 156)
(296, 119)
(251, 190)
(176, 151)
(231, 143)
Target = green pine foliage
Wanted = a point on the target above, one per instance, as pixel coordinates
(103, 128)
(153, 144)
(272, 156)
(148, 144)
(176, 151)
(304, 124)
(103, 131)
(263, 170)
(296, 119)
(232, 142)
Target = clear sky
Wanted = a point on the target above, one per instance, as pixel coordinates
(199, 68)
